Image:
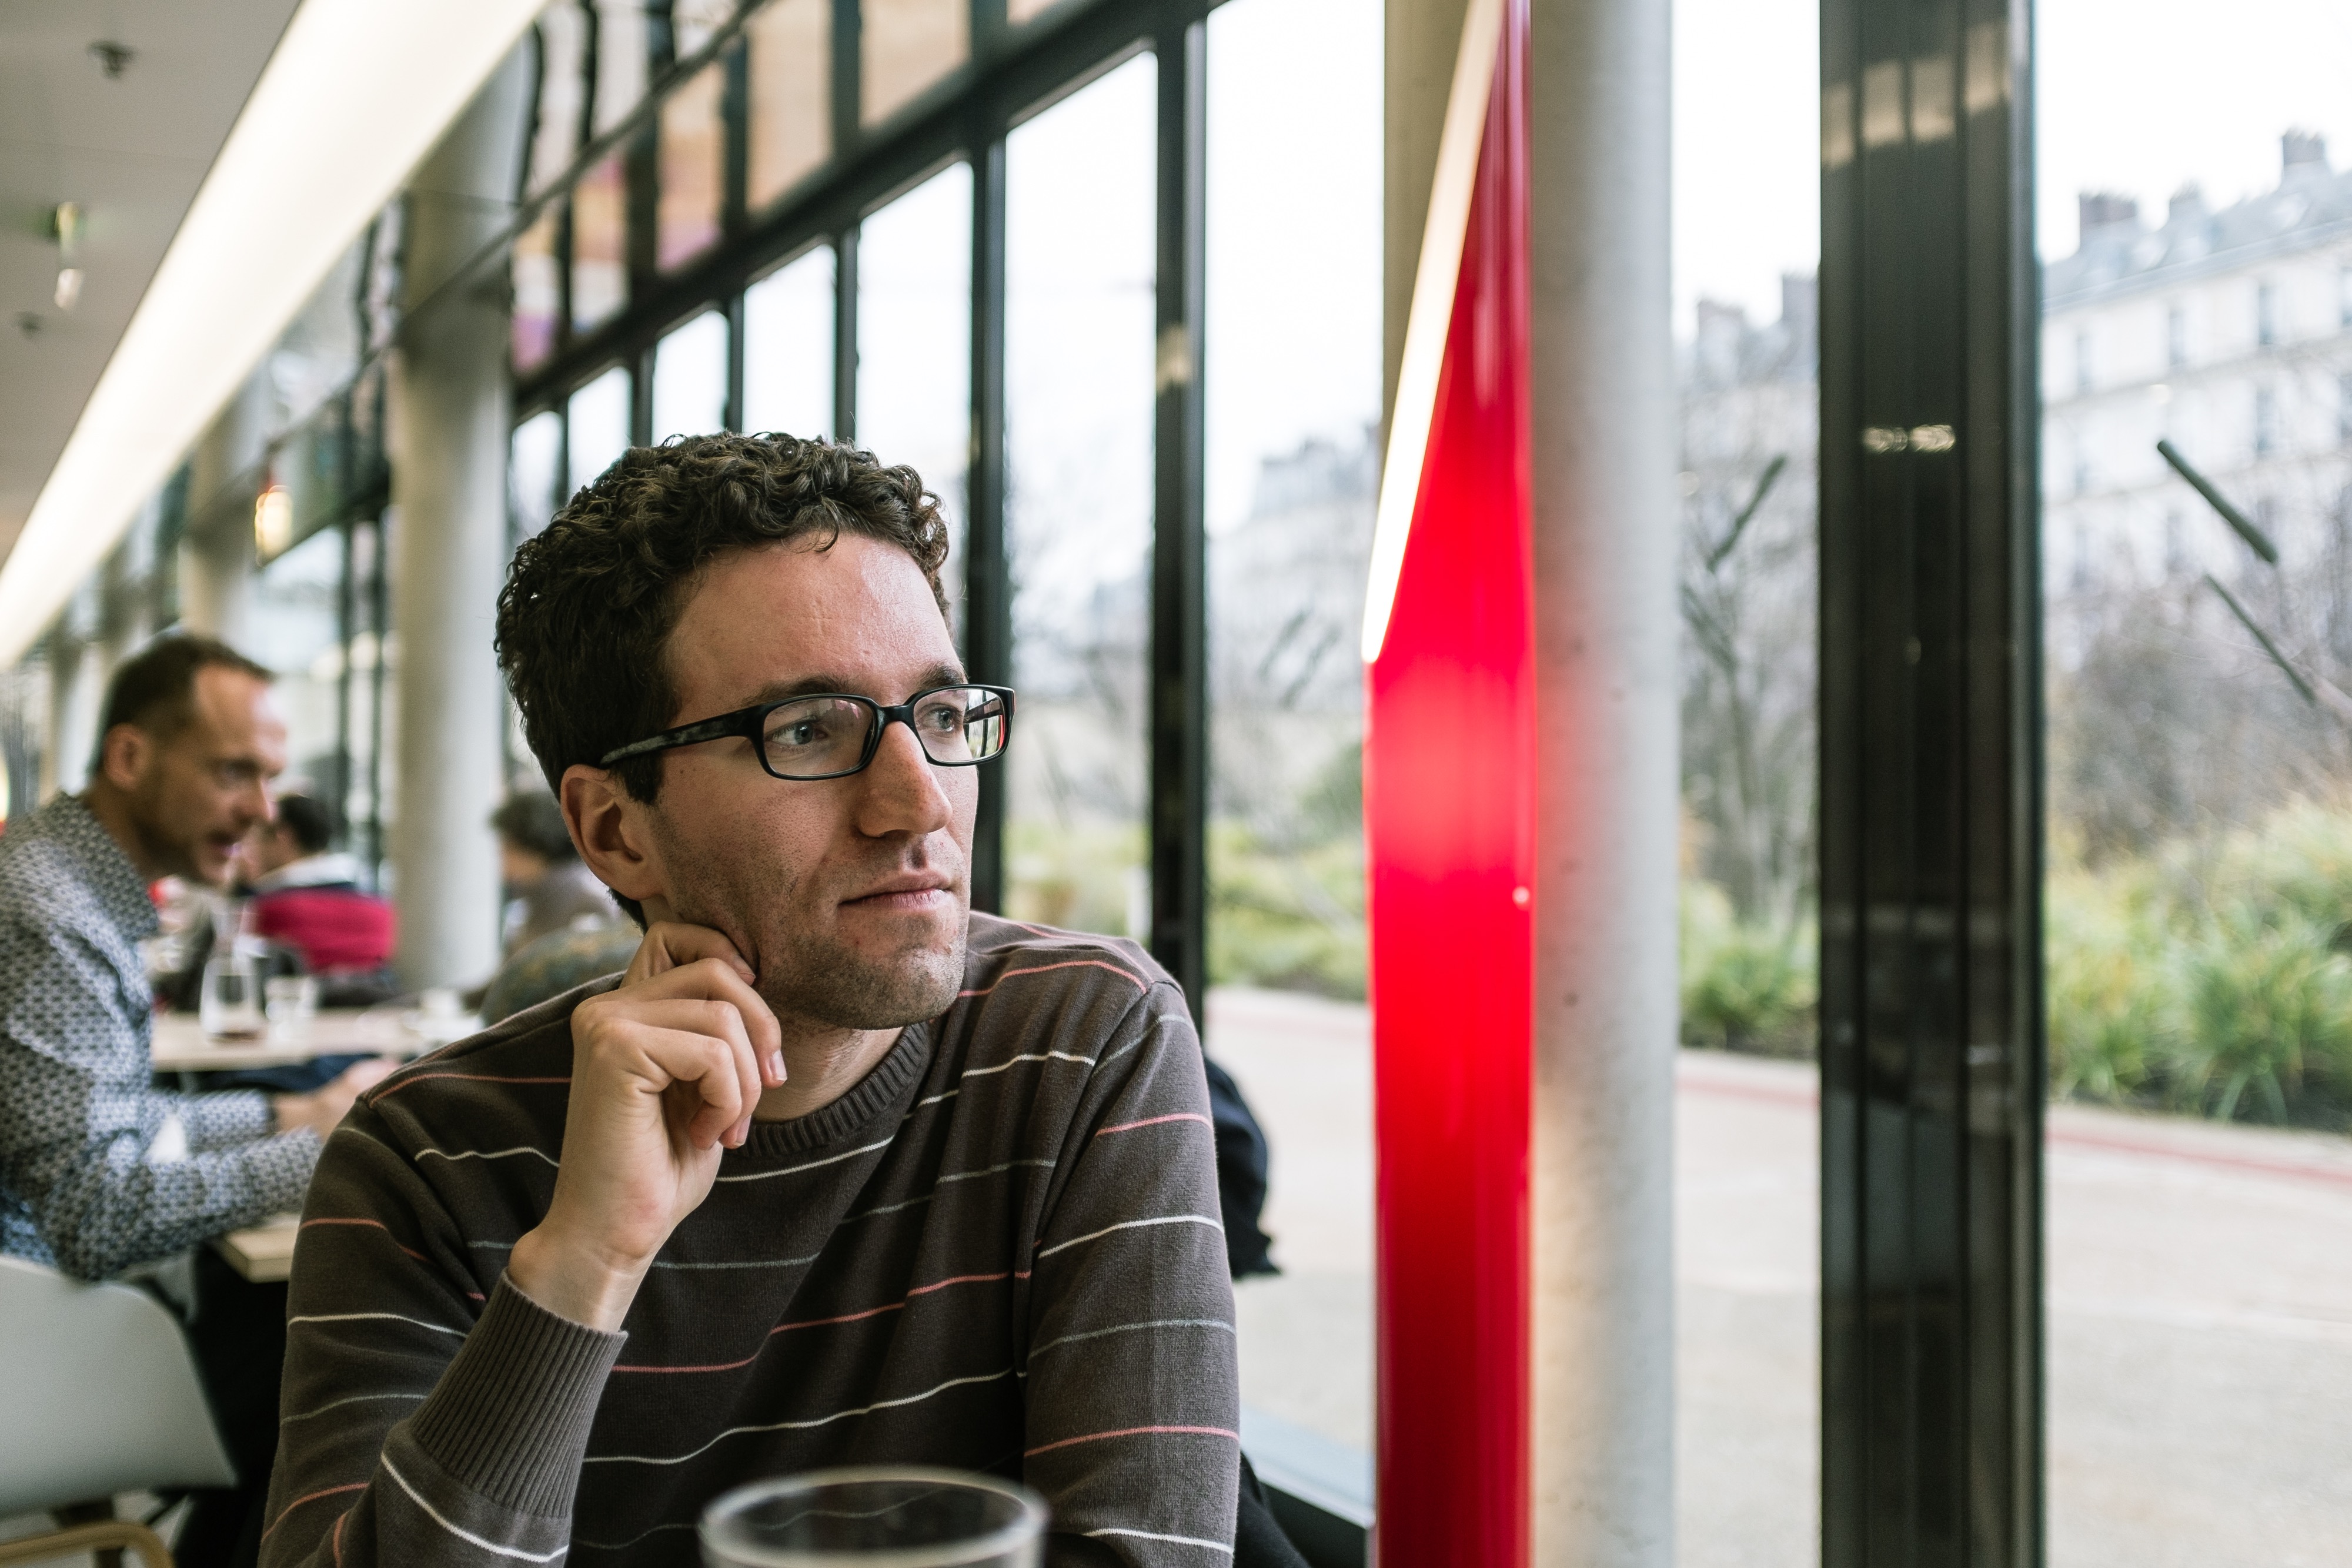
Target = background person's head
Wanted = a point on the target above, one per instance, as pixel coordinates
(704, 575)
(304, 828)
(190, 740)
(532, 839)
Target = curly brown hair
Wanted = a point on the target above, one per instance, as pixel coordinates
(589, 601)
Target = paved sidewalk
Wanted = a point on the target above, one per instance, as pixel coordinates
(2201, 1308)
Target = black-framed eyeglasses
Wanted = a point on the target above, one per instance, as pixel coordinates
(834, 734)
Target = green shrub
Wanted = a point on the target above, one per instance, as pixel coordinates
(2111, 991)
(1292, 919)
(2269, 1002)
(1745, 987)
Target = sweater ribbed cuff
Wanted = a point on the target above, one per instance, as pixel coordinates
(509, 1417)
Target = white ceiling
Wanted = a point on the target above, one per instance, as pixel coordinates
(131, 150)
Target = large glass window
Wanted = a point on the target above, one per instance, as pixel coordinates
(1293, 391)
(792, 95)
(690, 379)
(2199, 994)
(296, 630)
(904, 46)
(1079, 310)
(788, 348)
(1746, 1137)
(597, 426)
(914, 340)
(534, 472)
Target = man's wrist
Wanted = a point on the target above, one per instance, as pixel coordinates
(579, 1282)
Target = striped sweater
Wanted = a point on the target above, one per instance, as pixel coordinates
(999, 1251)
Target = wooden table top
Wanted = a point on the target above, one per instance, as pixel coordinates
(264, 1254)
(180, 1045)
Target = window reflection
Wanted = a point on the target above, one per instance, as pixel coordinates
(563, 61)
(904, 46)
(621, 61)
(914, 342)
(792, 95)
(599, 273)
(788, 352)
(596, 427)
(296, 630)
(693, 148)
(1079, 225)
(538, 291)
(693, 21)
(1022, 10)
(690, 379)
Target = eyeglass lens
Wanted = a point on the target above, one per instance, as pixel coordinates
(816, 737)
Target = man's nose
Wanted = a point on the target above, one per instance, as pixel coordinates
(902, 793)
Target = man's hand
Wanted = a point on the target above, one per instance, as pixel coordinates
(326, 1105)
(666, 1071)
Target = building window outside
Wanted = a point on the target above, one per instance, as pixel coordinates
(2176, 337)
(690, 379)
(2081, 362)
(2344, 409)
(2265, 422)
(788, 355)
(1080, 266)
(2266, 327)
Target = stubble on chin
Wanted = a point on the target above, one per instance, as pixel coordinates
(803, 966)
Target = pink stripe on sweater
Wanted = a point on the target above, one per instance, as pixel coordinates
(1154, 1122)
(1132, 1432)
(386, 1093)
(310, 1497)
(898, 1305)
(377, 1224)
(1048, 968)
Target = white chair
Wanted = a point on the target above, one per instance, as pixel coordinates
(97, 1397)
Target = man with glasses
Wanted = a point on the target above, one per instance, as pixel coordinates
(839, 1172)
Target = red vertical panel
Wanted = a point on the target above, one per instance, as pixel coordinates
(1449, 803)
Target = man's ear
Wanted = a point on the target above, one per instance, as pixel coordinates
(611, 830)
(124, 755)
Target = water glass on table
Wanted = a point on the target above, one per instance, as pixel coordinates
(891, 1517)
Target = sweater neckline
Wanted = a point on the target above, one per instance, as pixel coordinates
(868, 1100)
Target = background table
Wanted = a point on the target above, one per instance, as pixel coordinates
(180, 1045)
(263, 1254)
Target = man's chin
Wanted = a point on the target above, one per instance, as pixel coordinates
(859, 984)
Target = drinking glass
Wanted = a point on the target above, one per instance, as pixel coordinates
(229, 1006)
(292, 1000)
(876, 1519)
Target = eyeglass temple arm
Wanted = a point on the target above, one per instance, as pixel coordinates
(718, 728)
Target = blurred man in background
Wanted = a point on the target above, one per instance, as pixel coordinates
(100, 1171)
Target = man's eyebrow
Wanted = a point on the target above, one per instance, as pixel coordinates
(810, 685)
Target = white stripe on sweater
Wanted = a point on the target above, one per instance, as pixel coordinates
(793, 1426)
(462, 1535)
(1131, 1225)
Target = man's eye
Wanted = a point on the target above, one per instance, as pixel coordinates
(805, 732)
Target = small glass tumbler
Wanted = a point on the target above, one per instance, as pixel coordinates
(876, 1519)
(229, 1006)
(292, 1000)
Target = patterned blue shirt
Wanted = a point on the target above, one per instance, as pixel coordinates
(80, 1185)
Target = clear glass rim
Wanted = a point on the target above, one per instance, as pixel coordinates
(1029, 1522)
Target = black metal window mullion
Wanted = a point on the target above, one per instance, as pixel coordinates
(845, 334)
(1931, 1051)
(1178, 676)
(988, 595)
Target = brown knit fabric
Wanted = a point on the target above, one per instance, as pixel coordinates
(1000, 1251)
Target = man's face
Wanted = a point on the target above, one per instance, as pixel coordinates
(196, 792)
(847, 897)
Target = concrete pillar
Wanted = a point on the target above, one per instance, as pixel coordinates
(451, 413)
(1601, 1308)
(1599, 77)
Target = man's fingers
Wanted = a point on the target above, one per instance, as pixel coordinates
(673, 945)
(710, 1064)
(715, 978)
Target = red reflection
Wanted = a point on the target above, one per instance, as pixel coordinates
(1449, 804)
